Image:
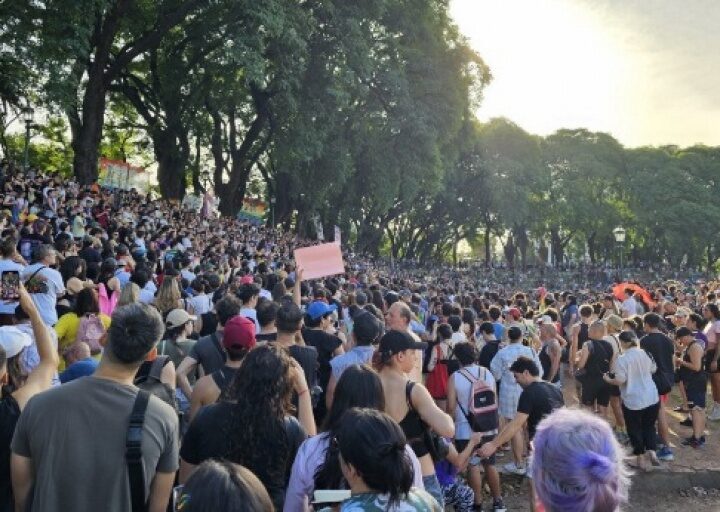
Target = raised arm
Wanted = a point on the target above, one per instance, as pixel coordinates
(40, 378)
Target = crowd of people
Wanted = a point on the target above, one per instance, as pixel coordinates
(153, 358)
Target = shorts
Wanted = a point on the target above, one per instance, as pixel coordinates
(664, 398)
(594, 390)
(614, 390)
(696, 397)
(461, 444)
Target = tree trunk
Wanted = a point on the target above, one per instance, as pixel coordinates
(87, 136)
(558, 248)
(510, 250)
(592, 247)
(487, 246)
(172, 150)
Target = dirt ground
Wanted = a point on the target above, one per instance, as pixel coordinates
(686, 500)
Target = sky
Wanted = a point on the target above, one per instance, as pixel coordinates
(646, 71)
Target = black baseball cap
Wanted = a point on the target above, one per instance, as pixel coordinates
(394, 342)
(367, 327)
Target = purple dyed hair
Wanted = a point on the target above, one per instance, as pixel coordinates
(578, 464)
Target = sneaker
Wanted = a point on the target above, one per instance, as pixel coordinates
(665, 454)
(499, 505)
(714, 414)
(514, 469)
(687, 422)
(694, 442)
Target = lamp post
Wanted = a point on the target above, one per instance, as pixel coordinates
(619, 233)
(272, 211)
(28, 114)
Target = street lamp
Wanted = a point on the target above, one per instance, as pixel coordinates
(28, 114)
(619, 233)
(272, 211)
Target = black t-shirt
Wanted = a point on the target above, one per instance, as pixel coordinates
(487, 353)
(90, 255)
(537, 401)
(662, 349)
(207, 438)
(9, 414)
(325, 344)
(208, 352)
(307, 358)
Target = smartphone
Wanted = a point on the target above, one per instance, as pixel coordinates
(10, 285)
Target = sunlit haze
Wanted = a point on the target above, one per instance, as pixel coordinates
(647, 72)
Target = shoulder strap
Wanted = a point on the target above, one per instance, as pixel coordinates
(35, 273)
(409, 385)
(133, 451)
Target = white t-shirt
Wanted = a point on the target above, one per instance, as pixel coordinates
(45, 302)
(463, 386)
(629, 306)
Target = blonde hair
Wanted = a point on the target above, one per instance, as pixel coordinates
(130, 294)
(168, 296)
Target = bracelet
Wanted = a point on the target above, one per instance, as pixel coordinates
(302, 392)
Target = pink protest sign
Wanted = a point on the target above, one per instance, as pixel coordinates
(320, 260)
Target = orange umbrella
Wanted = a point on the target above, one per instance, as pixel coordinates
(619, 292)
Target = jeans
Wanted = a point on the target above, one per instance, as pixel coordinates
(432, 487)
(641, 427)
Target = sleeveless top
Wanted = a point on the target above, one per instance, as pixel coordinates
(693, 379)
(546, 363)
(413, 426)
(583, 335)
(223, 377)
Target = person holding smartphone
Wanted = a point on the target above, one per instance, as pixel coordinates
(9, 264)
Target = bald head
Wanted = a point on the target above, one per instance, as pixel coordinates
(597, 330)
(399, 316)
(77, 352)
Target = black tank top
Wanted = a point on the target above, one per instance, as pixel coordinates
(413, 425)
(223, 377)
(546, 363)
(690, 378)
(583, 335)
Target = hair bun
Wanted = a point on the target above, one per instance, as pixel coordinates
(599, 467)
(386, 449)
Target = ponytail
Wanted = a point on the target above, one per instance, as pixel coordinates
(381, 359)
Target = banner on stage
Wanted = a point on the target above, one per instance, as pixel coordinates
(320, 260)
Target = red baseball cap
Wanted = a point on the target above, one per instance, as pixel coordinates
(239, 332)
(247, 280)
(515, 313)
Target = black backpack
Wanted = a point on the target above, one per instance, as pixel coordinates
(148, 378)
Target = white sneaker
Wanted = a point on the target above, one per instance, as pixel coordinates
(714, 413)
(513, 468)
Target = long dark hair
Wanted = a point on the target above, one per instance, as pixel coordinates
(374, 444)
(261, 391)
(86, 302)
(69, 268)
(359, 386)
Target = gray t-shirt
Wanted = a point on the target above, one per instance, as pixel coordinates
(75, 436)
